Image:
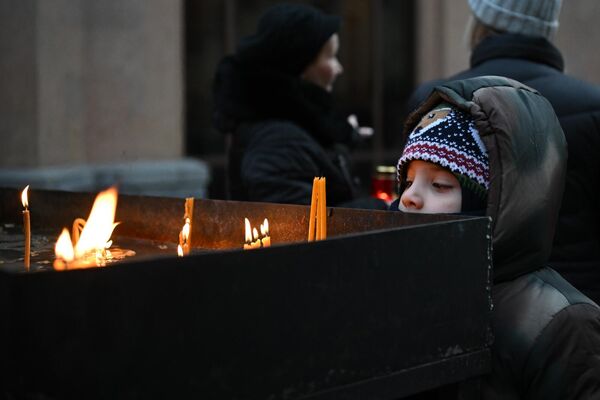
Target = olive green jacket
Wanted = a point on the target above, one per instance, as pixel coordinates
(547, 334)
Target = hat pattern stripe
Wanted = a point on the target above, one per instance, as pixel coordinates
(456, 161)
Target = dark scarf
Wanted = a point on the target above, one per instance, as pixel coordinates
(509, 45)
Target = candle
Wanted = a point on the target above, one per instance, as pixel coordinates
(264, 230)
(65, 253)
(91, 249)
(319, 212)
(26, 228)
(185, 236)
(189, 214)
(313, 211)
(247, 235)
(317, 225)
(256, 243)
(323, 209)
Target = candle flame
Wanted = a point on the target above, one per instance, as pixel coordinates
(24, 196)
(91, 250)
(64, 248)
(100, 224)
(264, 228)
(248, 230)
(185, 231)
(255, 233)
(179, 250)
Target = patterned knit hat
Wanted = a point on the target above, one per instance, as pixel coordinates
(526, 17)
(447, 136)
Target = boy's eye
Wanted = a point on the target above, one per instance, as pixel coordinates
(408, 184)
(442, 186)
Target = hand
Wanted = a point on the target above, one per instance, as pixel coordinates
(363, 131)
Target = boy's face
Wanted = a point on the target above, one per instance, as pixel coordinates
(430, 189)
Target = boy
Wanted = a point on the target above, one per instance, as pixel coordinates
(492, 146)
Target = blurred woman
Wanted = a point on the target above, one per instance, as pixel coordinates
(273, 96)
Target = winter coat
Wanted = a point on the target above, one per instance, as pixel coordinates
(276, 160)
(284, 133)
(538, 64)
(547, 333)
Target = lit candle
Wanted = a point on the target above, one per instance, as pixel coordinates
(256, 242)
(189, 215)
(185, 236)
(248, 235)
(26, 228)
(264, 230)
(64, 251)
(92, 247)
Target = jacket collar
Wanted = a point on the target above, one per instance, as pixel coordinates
(508, 45)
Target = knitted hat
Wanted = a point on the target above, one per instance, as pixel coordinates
(447, 136)
(288, 38)
(526, 17)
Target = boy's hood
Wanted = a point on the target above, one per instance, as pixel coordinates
(527, 155)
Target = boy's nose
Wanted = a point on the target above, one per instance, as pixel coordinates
(339, 68)
(411, 200)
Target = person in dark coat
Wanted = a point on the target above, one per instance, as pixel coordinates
(273, 97)
(513, 39)
(494, 146)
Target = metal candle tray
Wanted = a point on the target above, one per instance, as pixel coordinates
(391, 304)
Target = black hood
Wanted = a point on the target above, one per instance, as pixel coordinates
(288, 38)
(527, 154)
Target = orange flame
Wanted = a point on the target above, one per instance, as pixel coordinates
(253, 241)
(185, 231)
(179, 250)
(91, 248)
(24, 196)
(64, 248)
(264, 228)
(100, 224)
(248, 230)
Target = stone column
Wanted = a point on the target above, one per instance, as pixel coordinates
(441, 48)
(90, 81)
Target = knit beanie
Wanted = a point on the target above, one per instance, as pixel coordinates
(447, 137)
(525, 17)
(288, 38)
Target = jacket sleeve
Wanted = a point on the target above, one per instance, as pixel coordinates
(281, 169)
(565, 361)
